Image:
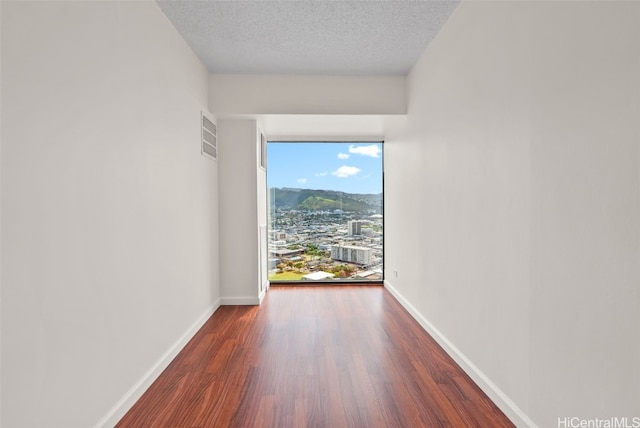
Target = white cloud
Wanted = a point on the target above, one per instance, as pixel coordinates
(373, 150)
(346, 171)
(321, 174)
(343, 156)
(301, 180)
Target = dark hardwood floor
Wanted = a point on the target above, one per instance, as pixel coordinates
(314, 357)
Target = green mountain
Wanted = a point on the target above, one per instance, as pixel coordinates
(323, 200)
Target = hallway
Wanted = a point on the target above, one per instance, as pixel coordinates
(317, 356)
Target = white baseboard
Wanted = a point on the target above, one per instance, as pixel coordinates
(239, 301)
(130, 398)
(510, 409)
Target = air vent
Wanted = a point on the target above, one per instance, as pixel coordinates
(209, 138)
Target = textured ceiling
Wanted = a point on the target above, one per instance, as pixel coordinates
(330, 37)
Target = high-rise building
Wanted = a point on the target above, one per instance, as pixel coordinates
(278, 235)
(354, 227)
(352, 254)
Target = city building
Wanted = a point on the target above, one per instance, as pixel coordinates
(285, 252)
(351, 254)
(369, 274)
(318, 276)
(279, 236)
(354, 227)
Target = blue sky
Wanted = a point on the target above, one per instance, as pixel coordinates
(346, 167)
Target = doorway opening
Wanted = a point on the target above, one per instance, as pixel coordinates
(325, 212)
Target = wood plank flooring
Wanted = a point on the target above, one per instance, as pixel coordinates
(322, 356)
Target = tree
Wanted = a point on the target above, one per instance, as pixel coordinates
(314, 250)
(338, 268)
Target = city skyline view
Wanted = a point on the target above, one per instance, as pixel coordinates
(351, 167)
(325, 211)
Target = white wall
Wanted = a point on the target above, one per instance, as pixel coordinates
(284, 94)
(512, 199)
(239, 257)
(586, 212)
(109, 212)
(321, 127)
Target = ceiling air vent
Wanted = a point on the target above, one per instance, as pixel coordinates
(209, 138)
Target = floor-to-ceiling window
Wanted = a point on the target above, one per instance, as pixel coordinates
(325, 211)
